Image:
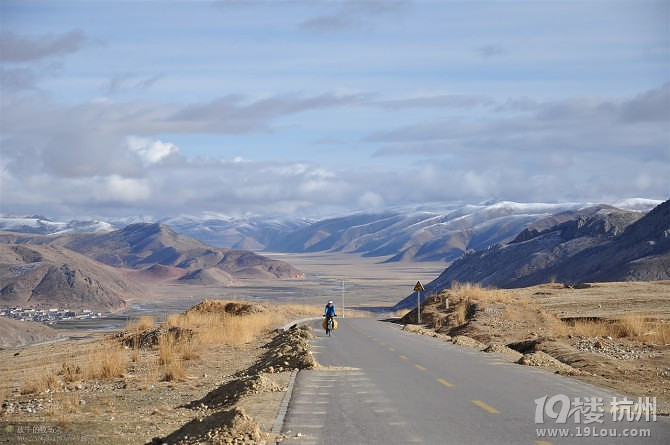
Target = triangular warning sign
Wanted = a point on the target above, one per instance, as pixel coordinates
(418, 287)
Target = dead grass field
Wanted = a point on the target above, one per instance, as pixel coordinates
(112, 394)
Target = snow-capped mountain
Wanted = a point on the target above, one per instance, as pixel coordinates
(606, 244)
(426, 232)
(637, 204)
(405, 234)
(41, 225)
(249, 233)
(433, 232)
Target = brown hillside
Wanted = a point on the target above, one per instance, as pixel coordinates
(15, 333)
(46, 276)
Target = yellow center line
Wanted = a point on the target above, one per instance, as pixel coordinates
(485, 407)
(403, 357)
(445, 383)
(391, 349)
(542, 442)
(420, 367)
(381, 344)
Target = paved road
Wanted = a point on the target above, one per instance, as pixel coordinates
(394, 387)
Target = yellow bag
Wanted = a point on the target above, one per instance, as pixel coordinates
(334, 324)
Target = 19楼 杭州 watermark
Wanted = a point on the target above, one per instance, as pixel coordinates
(588, 414)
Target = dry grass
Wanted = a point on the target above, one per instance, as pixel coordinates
(71, 372)
(174, 371)
(168, 349)
(135, 354)
(142, 323)
(463, 311)
(478, 293)
(71, 404)
(221, 328)
(302, 309)
(189, 350)
(108, 362)
(460, 310)
(42, 382)
(634, 326)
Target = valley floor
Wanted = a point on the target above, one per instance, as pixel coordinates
(47, 387)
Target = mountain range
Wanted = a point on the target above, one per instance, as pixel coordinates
(100, 270)
(601, 243)
(503, 244)
(430, 232)
(39, 224)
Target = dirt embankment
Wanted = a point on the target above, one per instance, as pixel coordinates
(615, 335)
(220, 419)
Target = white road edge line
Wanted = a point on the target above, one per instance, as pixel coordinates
(283, 408)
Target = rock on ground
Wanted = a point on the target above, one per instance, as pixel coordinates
(504, 350)
(543, 359)
(463, 340)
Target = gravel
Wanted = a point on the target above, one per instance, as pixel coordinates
(613, 349)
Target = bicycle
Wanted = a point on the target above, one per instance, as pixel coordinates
(329, 325)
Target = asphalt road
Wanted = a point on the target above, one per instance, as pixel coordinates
(387, 386)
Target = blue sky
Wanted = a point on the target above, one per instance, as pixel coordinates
(311, 107)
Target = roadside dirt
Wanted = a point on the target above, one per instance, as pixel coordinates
(613, 335)
(229, 394)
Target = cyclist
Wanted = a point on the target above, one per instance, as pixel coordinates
(330, 310)
(329, 314)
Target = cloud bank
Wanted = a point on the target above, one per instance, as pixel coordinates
(306, 108)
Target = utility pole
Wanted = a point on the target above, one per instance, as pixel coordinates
(342, 298)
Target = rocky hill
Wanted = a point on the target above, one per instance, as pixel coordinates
(607, 245)
(143, 245)
(49, 277)
(155, 252)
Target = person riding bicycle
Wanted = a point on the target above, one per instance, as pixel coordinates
(330, 310)
(329, 324)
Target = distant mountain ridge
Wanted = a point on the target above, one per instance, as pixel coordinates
(423, 235)
(42, 225)
(144, 246)
(602, 245)
(430, 232)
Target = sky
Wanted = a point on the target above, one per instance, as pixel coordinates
(307, 108)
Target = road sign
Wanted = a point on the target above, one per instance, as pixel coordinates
(418, 288)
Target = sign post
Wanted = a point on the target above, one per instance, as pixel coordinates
(418, 288)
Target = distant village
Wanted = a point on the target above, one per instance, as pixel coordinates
(47, 315)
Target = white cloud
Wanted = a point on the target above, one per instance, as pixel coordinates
(371, 201)
(125, 190)
(151, 151)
